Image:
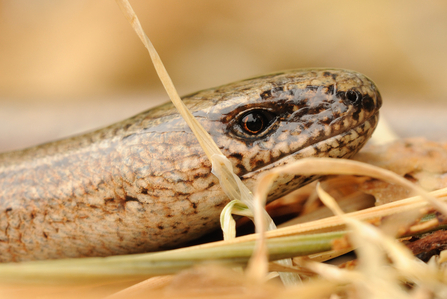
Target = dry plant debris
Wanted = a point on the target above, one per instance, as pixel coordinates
(421, 161)
(386, 268)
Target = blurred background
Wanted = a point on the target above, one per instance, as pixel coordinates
(70, 66)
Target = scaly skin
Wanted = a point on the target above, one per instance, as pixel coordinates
(144, 184)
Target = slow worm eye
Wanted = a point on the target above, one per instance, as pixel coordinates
(256, 121)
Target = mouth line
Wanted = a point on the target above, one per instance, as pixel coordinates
(332, 146)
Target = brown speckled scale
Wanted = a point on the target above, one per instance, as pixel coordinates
(144, 184)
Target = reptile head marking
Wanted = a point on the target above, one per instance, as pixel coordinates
(269, 121)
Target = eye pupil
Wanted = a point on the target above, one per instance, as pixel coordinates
(253, 122)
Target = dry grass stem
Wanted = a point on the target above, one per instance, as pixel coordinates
(207, 143)
(222, 167)
(145, 286)
(258, 264)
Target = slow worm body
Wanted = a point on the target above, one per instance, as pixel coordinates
(144, 184)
